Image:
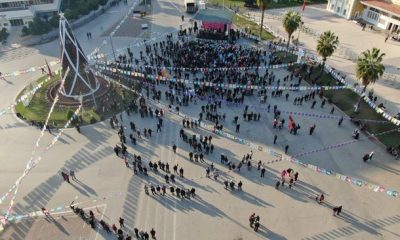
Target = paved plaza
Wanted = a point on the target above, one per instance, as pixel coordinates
(111, 190)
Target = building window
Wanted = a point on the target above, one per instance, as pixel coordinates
(372, 15)
(338, 9)
(382, 21)
(332, 6)
(344, 12)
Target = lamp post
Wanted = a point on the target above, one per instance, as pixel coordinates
(298, 35)
(112, 46)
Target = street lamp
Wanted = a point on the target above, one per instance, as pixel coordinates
(298, 35)
(112, 46)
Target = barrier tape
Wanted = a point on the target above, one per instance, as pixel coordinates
(36, 161)
(222, 85)
(23, 97)
(20, 217)
(31, 69)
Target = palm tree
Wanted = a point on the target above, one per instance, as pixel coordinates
(291, 21)
(263, 4)
(326, 45)
(369, 69)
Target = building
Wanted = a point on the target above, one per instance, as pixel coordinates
(382, 14)
(19, 13)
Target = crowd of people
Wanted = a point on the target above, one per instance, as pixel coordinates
(215, 62)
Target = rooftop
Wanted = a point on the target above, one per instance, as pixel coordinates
(383, 6)
(216, 16)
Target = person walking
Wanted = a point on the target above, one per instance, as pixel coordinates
(337, 210)
(313, 104)
(340, 121)
(275, 138)
(181, 172)
(368, 156)
(65, 177)
(286, 149)
(240, 184)
(312, 128)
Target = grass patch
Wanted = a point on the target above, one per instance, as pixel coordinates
(278, 4)
(253, 27)
(38, 107)
(346, 99)
(286, 57)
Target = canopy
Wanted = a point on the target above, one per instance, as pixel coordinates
(214, 16)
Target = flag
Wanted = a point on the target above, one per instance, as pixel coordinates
(304, 5)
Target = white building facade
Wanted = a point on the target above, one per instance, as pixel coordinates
(19, 13)
(382, 14)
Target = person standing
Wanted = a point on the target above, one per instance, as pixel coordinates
(262, 172)
(240, 184)
(275, 138)
(136, 232)
(340, 121)
(72, 173)
(256, 226)
(174, 148)
(153, 233)
(286, 149)
(121, 222)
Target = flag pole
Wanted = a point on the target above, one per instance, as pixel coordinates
(301, 23)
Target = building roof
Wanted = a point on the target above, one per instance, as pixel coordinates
(215, 16)
(383, 6)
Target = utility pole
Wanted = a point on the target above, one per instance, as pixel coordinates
(298, 35)
(112, 46)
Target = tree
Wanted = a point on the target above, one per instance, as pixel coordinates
(369, 69)
(263, 4)
(326, 46)
(291, 21)
(38, 26)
